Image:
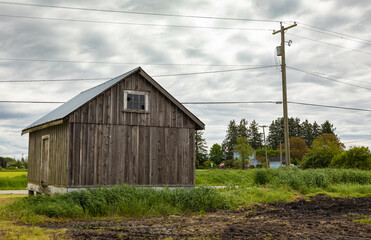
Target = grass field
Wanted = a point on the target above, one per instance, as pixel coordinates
(242, 188)
(13, 180)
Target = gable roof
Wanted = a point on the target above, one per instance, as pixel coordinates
(57, 115)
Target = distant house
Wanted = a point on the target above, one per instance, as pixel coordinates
(252, 159)
(127, 130)
(274, 162)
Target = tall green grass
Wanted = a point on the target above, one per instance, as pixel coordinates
(13, 183)
(123, 200)
(309, 179)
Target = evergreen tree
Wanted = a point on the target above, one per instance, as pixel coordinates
(230, 140)
(327, 127)
(307, 132)
(255, 137)
(233, 132)
(294, 127)
(242, 129)
(275, 133)
(316, 130)
(200, 149)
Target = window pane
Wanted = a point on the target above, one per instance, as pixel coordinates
(142, 98)
(136, 97)
(135, 105)
(130, 105)
(143, 108)
(130, 97)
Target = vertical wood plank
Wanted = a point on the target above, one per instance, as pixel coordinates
(154, 156)
(160, 153)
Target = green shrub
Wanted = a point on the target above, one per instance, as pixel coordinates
(356, 157)
(262, 176)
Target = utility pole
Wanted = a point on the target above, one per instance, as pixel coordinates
(281, 153)
(265, 146)
(284, 92)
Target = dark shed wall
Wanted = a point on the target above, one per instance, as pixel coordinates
(110, 146)
(141, 155)
(57, 167)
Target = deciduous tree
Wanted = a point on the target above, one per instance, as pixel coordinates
(298, 148)
(244, 150)
(324, 148)
(356, 157)
(216, 154)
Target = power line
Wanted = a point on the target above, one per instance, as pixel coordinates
(339, 33)
(334, 76)
(124, 63)
(337, 36)
(53, 80)
(163, 75)
(137, 24)
(217, 71)
(331, 79)
(15, 101)
(138, 13)
(330, 106)
(330, 44)
(363, 140)
(223, 103)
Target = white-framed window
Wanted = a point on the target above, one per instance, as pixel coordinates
(136, 101)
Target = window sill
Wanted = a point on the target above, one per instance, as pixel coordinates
(136, 111)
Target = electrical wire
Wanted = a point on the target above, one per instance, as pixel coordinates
(163, 75)
(339, 33)
(363, 140)
(330, 44)
(334, 76)
(53, 80)
(334, 35)
(221, 103)
(124, 63)
(137, 24)
(331, 79)
(139, 13)
(217, 71)
(330, 106)
(225, 102)
(21, 101)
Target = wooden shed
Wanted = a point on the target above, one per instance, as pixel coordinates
(128, 130)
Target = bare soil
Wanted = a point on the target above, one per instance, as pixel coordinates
(317, 218)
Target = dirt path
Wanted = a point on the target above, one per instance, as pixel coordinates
(320, 218)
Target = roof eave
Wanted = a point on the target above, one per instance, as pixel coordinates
(42, 126)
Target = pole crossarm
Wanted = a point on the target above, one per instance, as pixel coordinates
(284, 29)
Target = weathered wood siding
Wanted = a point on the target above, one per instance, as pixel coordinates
(57, 167)
(111, 146)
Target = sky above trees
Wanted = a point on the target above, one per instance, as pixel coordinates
(328, 61)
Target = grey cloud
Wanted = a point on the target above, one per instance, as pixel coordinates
(277, 9)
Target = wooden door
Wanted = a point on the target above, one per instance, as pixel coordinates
(45, 159)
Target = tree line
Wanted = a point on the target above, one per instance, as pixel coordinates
(305, 139)
(11, 163)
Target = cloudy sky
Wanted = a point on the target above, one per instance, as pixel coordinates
(328, 61)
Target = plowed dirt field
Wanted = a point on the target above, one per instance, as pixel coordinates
(317, 218)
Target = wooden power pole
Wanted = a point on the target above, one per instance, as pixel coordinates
(284, 92)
